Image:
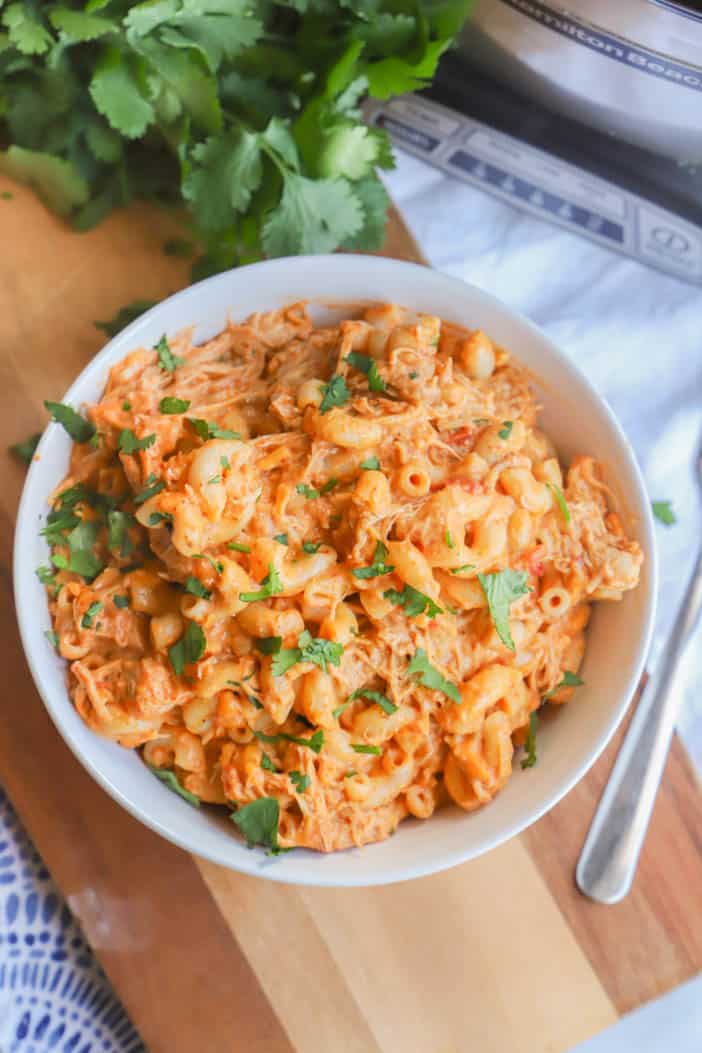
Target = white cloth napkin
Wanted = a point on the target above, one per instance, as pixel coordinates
(636, 333)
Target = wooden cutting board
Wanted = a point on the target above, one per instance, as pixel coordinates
(498, 954)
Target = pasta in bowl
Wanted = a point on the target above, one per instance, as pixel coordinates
(324, 575)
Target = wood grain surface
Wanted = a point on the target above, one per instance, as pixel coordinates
(499, 954)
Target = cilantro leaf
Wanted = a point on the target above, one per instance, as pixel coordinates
(530, 745)
(195, 587)
(311, 547)
(267, 764)
(377, 568)
(125, 316)
(464, 566)
(129, 443)
(560, 500)
(258, 822)
(270, 586)
(171, 781)
(89, 616)
(315, 742)
(26, 32)
(567, 680)
(413, 602)
(285, 659)
(166, 359)
(81, 542)
(366, 364)
(236, 546)
(299, 781)
(52, 638)
(428, 676)
(170, 404)
(121, 602)
(506, 429)
(371, 464)
(24, 451)
(46, 575)
(373, 696)
(360, 747)
(307, 491)
(189, 649)
(663, 511)
(118, 95)
(282, 539)
(269, 644)
(118, 524)
(309, 649)
(79, 26)
(153, 486)
(313, 216)
(335, 393)
(206, 430)
(225, 171)
(501, 589)
(77, 427)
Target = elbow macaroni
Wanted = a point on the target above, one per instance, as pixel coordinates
(265, 573)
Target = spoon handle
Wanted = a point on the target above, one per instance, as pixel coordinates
(611, 851)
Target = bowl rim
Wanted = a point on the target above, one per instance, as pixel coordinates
(54, 694)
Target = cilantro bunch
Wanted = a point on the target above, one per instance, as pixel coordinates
(247, 111)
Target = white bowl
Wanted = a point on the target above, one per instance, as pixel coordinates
(574, 415)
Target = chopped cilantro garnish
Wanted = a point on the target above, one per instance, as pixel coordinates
(52, 637)
(270, 586)
(79, 429)
(464, 566)
(166, 359)
(366, 364)
(171, 404)
(663, 511)
(118, 524)
(501, 589)
(153, 486)
(371, 464)
(267, 764)
(530, 745)
(360, 747)
(129, 443)
(206, 430)
(171, 781)
(335, 393)
(320, 652)
(373, 696)
(315, 742)
(195, 587)
(269, 644)
(568, 680)
(258, 823)
(89, 616)
(299, 781)
(46, 575)
(560, 500)
(126, 406)
(448, 539)
(428, 676)
(236, 546)
(413, 602)
(310, 547)
(506, 429)
(378, 567)
(189, 649)
(120, 601)
(307, 491)
(160, 517)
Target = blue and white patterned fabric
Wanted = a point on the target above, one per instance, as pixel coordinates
(54, 997)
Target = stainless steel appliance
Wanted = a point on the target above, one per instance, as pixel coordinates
(589, 115)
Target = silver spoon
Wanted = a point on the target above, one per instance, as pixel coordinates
(611, 851)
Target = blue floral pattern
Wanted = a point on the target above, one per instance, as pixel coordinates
(54, 997)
